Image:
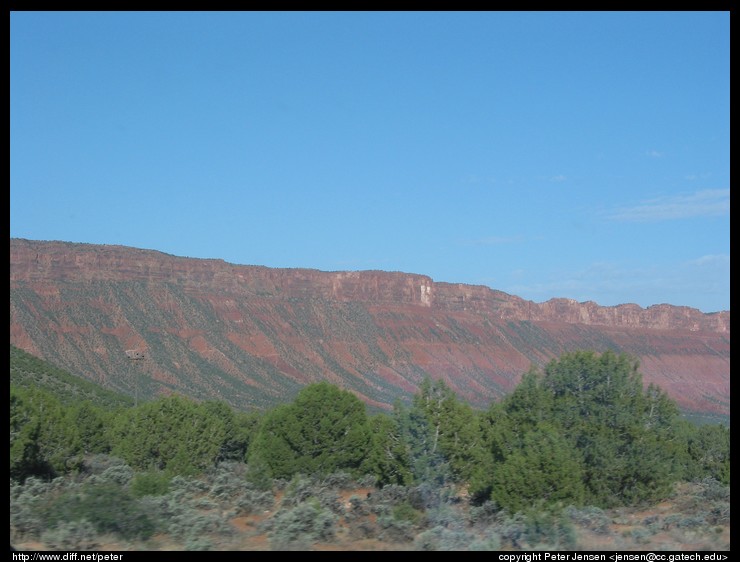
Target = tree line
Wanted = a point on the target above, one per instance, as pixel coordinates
(583, 430)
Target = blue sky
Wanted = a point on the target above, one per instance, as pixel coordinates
(578, 155)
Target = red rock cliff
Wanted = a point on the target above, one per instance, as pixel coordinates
(250, 334)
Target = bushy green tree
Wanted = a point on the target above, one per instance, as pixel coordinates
(452, 428)
(25, 453)
(92, 424)
(239, 429)
(43, 441)
(323, 431)
(388, 458)
(107, 505)
(504, 428)
(426, 461)
(624, 432)
(173, 434)
(594, 390)
(590, 412)
(708, 453)
(545, 469)
(506, 423)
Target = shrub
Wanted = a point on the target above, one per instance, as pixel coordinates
(107, 506)
(120, 474)
(591, 517)
(368, 481)
(485, 514)
(445, 516)
(186, 513)
(512, 530)
(198, 543)
(99, 463)
(227, 484)
(549, 529)
(361, 526)
(251, 501)
(441, 538)
(641, 535)
(301, 526)
(426, 496)
(26, 506)
(490, 542)
(71, 535)
(390, 494)
(714, 490)
(189, 486)
(395, 530)
(257, 475)
(153, 483)
(406, 512)
(689, 522)
(720, 515)
(339, 481)
(302, 489)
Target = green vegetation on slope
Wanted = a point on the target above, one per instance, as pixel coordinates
(28, 371)
(584, 432)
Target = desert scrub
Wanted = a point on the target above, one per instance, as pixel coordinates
(399, 523)
(447, 516)
(357, 517)
(406, 512)
(381, 501)
(592, 518)
(442, 538)
(107, 505)
(490, 541)
(549, 530)
(298, 527)
(641, 535)
(339, 481)
(226, 481)
(71, 535)
(187, 513)
(512, 530)
(26, 507)
(151, 483)
(302, 488)
(252, 501)
(713, 490)
(120, 474)
(447, 539)
(198, 543)
(229, 486)
(395, 530)
(536, 530)
(484, 515)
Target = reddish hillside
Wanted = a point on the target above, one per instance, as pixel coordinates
(147, 322)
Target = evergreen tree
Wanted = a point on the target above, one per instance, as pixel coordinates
(708, 452)
(172, 434)
(545, 469)
(626, 434)
(388, 459)
(505, 425)
(454, 431)
(43, 441)
(25, 455)
(427, 463)
(324, 430)
(239, 429)
(592, 413)
(91, 423)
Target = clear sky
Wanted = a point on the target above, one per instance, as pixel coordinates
(559, 154)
